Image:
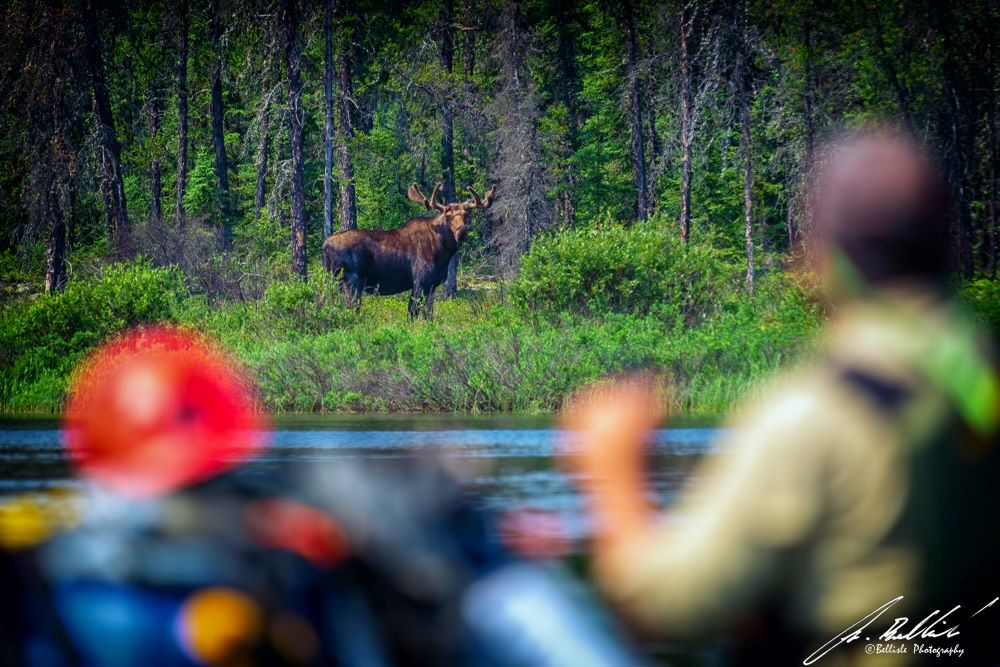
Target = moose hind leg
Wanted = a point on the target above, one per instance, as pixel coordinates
(353, 289)
(415, 303)
(429, 303)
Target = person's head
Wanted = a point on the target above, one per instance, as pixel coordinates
(880, 211)
(159, 409)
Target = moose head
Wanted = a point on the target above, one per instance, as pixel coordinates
(453, 215)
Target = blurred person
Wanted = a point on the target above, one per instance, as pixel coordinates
(859, 490)
(174, 552)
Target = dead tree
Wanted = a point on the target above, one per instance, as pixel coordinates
(296, 113)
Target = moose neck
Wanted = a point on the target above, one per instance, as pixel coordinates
(443, 228)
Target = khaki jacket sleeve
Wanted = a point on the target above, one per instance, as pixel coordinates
(738, 525)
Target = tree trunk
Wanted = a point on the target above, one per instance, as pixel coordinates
(156, 172)
(71, 223)
(961, 101)
(111, 159)
(652, 136)
(635, 104)
(345, 130)
(218, 131)
(567, 80)
(448, 131)
(809, 92)
(809, 88)
(745, 144)
(890, 70)
(469, 45)
(182, 115)
(55, 249)
(263, 157)
(293, 64)
(328, 126)
(790, 210)
(517, 219)
(991, 115)
(687, 124)
(109, 219)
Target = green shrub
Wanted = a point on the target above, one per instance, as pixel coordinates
(288, 309)
(41, 341)
(14, 269)
(611, 268)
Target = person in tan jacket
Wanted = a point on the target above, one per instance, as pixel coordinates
(859, 489)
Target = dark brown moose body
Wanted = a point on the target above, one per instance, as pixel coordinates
(413, 258)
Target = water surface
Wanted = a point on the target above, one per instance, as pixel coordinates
(508, 461)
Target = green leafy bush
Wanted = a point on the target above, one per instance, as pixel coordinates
(41, 342)
(611, 268)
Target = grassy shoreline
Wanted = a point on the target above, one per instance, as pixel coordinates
(589, 302)
(309, 354)
(483, 355)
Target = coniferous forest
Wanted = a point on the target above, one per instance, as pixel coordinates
(184, 161)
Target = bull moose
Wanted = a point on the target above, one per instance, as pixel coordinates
(414, 257)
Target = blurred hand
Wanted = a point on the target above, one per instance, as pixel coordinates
(610, 425)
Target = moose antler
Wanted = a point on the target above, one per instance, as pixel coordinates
(479, 203)
(416, 196)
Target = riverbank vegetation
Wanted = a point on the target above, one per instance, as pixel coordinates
(509, 347)
(183, 162)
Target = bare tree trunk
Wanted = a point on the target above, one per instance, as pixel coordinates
(111, 159)
(635, 104)
(182, 114)
(328, 127)
(263, 157)
(652, 136)
(890, 70)
(991, 115)
(790, 211)
(109, 220)
(293, 64)
(809, 92)
(448, 131)
(518, 165)
(687, 123)
(156, 172)
(745, 144)
(469, 46)
(345, 130)
(55, 249)
(71, 222)
(808, 116)
(218, 131)
(567, 78)
(962, 146)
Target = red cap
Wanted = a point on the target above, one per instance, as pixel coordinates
(158, 409)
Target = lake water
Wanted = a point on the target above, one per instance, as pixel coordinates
(508, 461)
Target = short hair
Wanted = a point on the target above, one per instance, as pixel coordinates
(878, 196)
